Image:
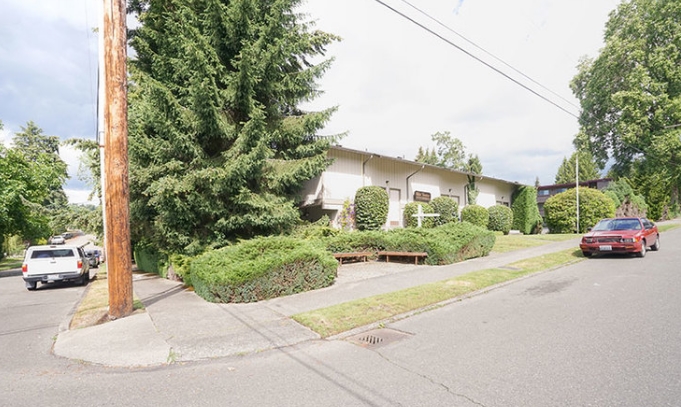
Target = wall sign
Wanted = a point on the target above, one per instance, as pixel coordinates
(420, 196)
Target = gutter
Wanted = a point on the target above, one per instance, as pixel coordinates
(411, 175)
(363, 169)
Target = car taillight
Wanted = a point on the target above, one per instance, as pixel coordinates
(80, 264)
(24, 268)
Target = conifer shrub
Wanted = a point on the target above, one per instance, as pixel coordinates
(476, 215)
(371, 208)
(411, 209)
(444, 244)
(526, 216)
(561, 210)
(448, 209)
(500, 218)
(262, 268)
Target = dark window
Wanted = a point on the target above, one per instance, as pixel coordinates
(45, 254)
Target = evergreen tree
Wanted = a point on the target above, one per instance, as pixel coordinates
(218, 145)
(426, 156)
(588, 169)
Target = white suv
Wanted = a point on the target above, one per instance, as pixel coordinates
(48, 264)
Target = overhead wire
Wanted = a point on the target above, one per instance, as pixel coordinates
(487, 64)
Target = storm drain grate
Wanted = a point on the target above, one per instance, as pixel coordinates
(377, 337)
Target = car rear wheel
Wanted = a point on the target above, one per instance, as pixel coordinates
(642, 253)
(656, 246)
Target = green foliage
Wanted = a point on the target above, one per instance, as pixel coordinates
(476, 215)
(627, 201)
(347, 215)
(588, 169)
(630, 98)
(426, 156)
(31, 176)
(412, 208)
(446, 244)
(371, 208)
(218, 147)
(181, 266)
(451, 152)
(500, 218)
(561, 210)
(526, 217)
(317, 230)
(262, 268)
(150, 259)
(448, 209)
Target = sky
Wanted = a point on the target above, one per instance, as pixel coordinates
(394, 83)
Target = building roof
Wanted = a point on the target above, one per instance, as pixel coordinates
(419, 164)
(572, 184)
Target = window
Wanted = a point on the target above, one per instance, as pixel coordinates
(544, 192)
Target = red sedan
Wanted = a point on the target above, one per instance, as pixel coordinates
(621, 235)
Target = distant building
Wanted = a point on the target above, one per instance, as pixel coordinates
(405, 181)
(544, 192)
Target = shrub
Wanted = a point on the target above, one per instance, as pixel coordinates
(476, 215)
(371, 208)
(627, 201)
(526, 216)
(315, 230)
(412, 208)
(346, 218)
(500, 218)
(262, 268)
(150, 259)
(561, 210)
(448, 209)
(444, 244)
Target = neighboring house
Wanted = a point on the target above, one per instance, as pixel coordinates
(544, 192)
(405, 181)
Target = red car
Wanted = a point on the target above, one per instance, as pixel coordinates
(621, 235)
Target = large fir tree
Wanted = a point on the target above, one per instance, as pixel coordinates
(218, 145)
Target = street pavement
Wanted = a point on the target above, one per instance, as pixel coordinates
(179, 326)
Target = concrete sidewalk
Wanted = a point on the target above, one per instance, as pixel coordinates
(179, 326)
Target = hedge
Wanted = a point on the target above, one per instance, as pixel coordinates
(500, 218)
(371, 208)
(411, 209)
(561, 210)
(262, 268)
(448, 209)
(526, 216)
(476, 215)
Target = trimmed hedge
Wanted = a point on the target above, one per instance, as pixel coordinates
(561, 210)
(371, 208)
(500, 218)
(476, 215)
(412, 208)
(526, 216)
(444, 244)
(448, 209)
(262, 268)
(149, 259)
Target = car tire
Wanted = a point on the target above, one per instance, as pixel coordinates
(642, 253)
(85, 278)
(656, 246)
(586, 254)
(31, 286)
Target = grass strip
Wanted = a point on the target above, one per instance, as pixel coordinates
(10, 263)
(507, 243)
(346, 316)
(667, 226)
(94, 307)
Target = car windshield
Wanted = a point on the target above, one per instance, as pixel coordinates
(618, 224)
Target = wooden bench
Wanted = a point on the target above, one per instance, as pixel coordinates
(415, 255)
(351, 255)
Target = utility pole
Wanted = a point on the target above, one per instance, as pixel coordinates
(117, 196)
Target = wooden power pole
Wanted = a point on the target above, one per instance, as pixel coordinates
(117, 195)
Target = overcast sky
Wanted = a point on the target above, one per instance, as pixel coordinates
(394, 83)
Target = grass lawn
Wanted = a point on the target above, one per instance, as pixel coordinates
(10, 263)
(507, 243)
(343, 317)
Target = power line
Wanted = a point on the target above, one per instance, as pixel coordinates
(497, 70)
(438, 22)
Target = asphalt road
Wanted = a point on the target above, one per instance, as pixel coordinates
(603, 332)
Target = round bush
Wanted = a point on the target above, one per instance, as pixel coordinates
(561, 210)
(412, 208)
(448, 209)
(371, 208)
(500, 218)
(476, 215)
